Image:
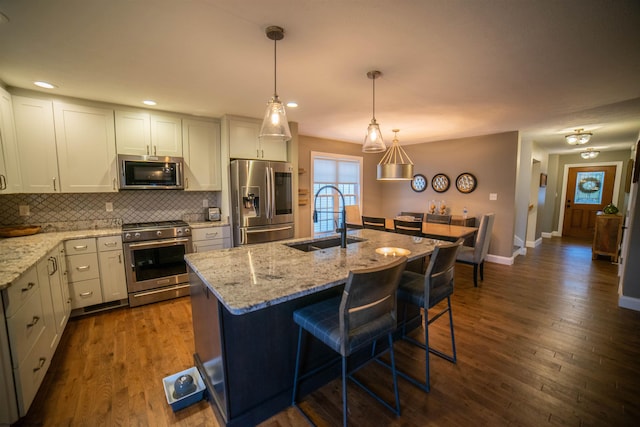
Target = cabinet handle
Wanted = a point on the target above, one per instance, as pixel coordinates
(114, 183)
(186, 182)
(154, 150)
(53, 266)
(83, 267)
(119, 259)
(258, 153)
(262, 154)
(41, 363)
(148, 152)
(110, 243)
(3, 182)
(28, 288)
(34, 321)
(77, 248)
(86, 294)
(54, 184)
(211, 235)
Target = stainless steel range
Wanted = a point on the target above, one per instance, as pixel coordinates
(154, 260)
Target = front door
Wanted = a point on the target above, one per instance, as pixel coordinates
(589, 190)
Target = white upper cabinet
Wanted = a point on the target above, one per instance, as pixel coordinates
(86, 148)
(36, 139)
(245, 144)
(201, 145)
(10, 181)
(141, 133)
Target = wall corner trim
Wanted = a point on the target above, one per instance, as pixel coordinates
(500, 259)
(629, 302)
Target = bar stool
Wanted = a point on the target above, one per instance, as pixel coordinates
(365, 312)
(426, 291)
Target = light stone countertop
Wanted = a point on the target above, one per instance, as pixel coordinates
(252, 277)
(206, 224)
(18, 254)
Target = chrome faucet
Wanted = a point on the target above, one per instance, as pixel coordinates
(343, 230)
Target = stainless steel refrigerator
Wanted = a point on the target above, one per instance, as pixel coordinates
(261, 201)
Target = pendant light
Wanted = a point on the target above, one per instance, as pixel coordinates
(373, 142)
(275, 124)
(578, 138)
(590, 153)
(395, 165)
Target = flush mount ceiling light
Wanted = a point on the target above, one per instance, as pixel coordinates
(578, 138)
(149, 102)
(373, 142)
(590, 153)
(45, 85)
(275, 124)
(395, 164)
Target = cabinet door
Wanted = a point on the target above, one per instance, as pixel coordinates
(53, 305)
(10, 181)
(201, 145)
(35, 135)
(273, 150)
(112, 278)
(166, 136)
(133, 134)
(243, 138)
(86, 148)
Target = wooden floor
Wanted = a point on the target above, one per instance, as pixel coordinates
(541, 342)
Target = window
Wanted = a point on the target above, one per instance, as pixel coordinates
(589, 188)
(341, 171)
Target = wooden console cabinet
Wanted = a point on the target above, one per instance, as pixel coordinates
(607, 236)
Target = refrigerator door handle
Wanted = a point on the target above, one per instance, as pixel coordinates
(269, 230)
(269, 195)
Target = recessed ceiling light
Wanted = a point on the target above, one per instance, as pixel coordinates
(292, 104)
(149, 102)
(45, 85)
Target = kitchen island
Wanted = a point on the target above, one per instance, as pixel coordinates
(243, 300)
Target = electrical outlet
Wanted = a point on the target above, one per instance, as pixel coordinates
(493, 196)
(24, 210)
(109, 206)
(205, 203)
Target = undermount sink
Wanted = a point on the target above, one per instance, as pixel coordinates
(317, 244)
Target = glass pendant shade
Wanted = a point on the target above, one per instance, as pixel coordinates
(275, 123)
(373, 141)
(578, 138)
(395, 165)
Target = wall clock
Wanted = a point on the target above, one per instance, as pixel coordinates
(440, 183)
(419, 183)
(466, 182)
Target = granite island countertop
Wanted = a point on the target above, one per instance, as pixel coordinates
(19, 254)
(248, 278)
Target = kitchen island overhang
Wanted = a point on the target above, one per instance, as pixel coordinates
(242, 303)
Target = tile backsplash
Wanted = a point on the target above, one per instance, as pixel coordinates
(88, 210)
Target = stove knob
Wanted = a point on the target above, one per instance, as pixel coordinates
(179, 232)
(159, 233)
(127, 236)
(187, 230)
(136, 235)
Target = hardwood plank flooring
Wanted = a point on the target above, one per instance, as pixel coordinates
(541, 342)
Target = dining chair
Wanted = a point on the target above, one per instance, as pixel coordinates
(364, 313)
(439, 219)
(413, 228)
(419, 216)
(475, 255)
(426, 291)
(353, 218)
(374, 223)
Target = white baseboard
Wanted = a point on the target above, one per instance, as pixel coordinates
(535, 243)
(546, 235)
(629, 302)
(556, 234)
(500, 259)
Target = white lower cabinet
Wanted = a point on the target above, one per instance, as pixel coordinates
(111, 259)
(96, 271)
(210, 238)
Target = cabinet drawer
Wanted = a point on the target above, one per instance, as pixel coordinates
(210, 233)
(80, 246)
(19, 291)
(110, 243)
(25, 328)
(208, 245)
(30, 373)
(82, 267)
(85, 293)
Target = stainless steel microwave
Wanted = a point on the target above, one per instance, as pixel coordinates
(150, 172)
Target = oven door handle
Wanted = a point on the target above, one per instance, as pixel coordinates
(157, 243)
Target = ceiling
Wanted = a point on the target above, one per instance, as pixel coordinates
(451, 68)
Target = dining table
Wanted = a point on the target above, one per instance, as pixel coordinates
(434, 230)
